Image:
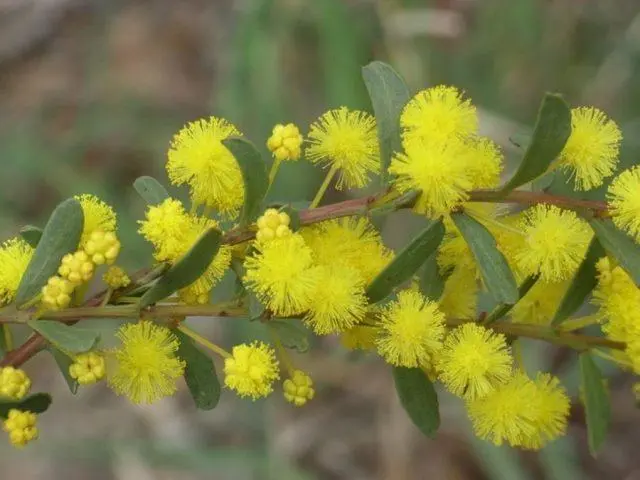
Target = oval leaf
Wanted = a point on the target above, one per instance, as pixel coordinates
(150, 190)
(63, 361)
(596, 402)
(187, 270)
(74, 339)
(495, 271)
(254, 174)
(199, 374)
(36, 403)
(419, 398)
(291, 333)
(431, 280)
(31, 235)
(550, 134)
(407, 262)
(60, 236)
(583, 282)
(389, 94)
(620, 245)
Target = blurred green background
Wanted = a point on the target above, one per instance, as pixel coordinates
(90, 95)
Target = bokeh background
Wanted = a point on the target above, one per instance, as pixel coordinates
(90, 94)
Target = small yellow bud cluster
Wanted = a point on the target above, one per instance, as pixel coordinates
(103, 247)
(116, 277)
(14, 383)
(189, 296)
(273, 224)
(21, 427)
(56, 294)
(88, 368)
(298, 389)
(285, 142)
(77, 268)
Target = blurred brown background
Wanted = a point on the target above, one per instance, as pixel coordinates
(91, 92)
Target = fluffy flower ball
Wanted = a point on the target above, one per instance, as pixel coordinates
(15, 255)
(624, 201)
(251, 370)
(98, 215)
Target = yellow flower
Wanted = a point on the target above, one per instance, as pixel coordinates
(540, 303)
(485, 161)
(87, 368)
(338, 302)
(440, 171)
(285, 142)
(555, 242)
(15, 255)
(251, 370)
(591, 152)
(164, 226)
(550, 410)
(282, 275)
(21, 427)
(198, 158)
(76, 267)
(360, 337)
(14, 383)
(273, 224)
(438, 114)
(351, 242)
(115, 277)
(56, 294)
(298, 389)
(102, 247)
(460, 295)
(146, 366)
(411, 330)
(624, 201)
(474, 361)
(98, 215)
(346, 140)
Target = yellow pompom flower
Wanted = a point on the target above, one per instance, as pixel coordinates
(76, 267)
(102, 247)
(21, 427)
(298, 389)
(353, 242)
(360, 337)
(198, 158)
(272, 224)
(345, 140)
(146, 367)
(623, 200)
(115, 277)
(15, 255)
(550, 411)
(98, 215)
(555, 242)
(251, 370)
(540, 304)
(14, 383)
(88, 368)
(410, 331)
(440, 171)
(164, 226)
(474, 361)
(56, 294)
(485, 162)
(438, 114)
(591, 152)
(285, 142)
(281, 273)
(459, 298)
(338, 301)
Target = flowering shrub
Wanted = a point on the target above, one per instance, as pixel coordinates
(325, 270)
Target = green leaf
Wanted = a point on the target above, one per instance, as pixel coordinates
(550, 135)
(407, 262)
(431, 280)
(254, 173)
(36, 403)
(584, 281)
(64, 362)
(61, 235)
(504, 308)
(187, 270)
(150, 190)
(199, 374)
(74, 339)
(31, 234)
(494, 269)
(419, 398)
(389, 94)
(620, 245)
(596, 402)
(291, 333)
